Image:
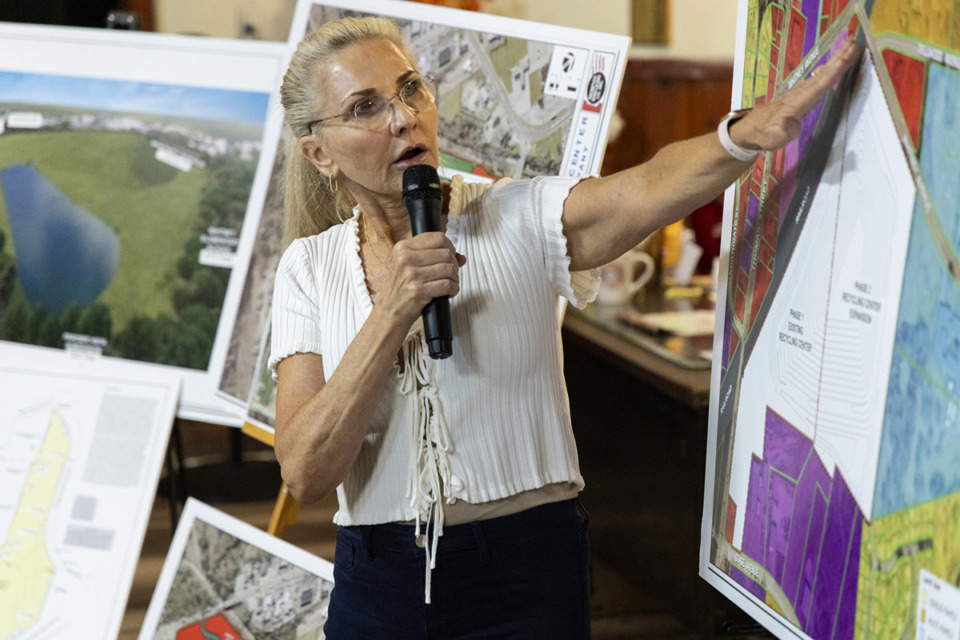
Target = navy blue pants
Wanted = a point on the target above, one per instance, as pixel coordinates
(524, 575)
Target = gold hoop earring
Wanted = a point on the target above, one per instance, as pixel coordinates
(332, 184)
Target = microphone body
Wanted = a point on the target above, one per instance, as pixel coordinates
(423, 199)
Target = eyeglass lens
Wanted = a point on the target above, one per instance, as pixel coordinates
(414, 95)
(373, 112)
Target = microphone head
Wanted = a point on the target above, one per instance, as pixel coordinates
(421, 181)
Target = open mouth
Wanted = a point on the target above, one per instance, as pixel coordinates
(411, 153)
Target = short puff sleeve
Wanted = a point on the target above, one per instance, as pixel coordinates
(295, 325)
(539, 207)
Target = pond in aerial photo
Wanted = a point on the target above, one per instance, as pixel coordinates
(122, 205)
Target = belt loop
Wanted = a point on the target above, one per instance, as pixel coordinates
(481, 541)
(368, 541)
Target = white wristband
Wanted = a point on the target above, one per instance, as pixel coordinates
(735, 150)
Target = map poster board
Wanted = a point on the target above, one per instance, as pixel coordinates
(132, 168)
(225, 578)
(516, 99)
(82, 444)
(832, 502)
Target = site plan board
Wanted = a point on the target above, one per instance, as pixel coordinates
(832, 504)
(81, 448)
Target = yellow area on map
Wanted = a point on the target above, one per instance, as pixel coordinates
(750, 54)
(764, 49)
(935, 21)
(893, 550)
(25, 568)
(772, 603)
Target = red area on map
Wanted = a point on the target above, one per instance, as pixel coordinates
(907, 75)
(216, 625)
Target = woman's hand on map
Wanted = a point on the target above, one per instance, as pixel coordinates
(604, 218)
(772, 125)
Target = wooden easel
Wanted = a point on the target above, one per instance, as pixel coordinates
(286, 509)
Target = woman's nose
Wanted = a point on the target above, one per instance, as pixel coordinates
(402, 117)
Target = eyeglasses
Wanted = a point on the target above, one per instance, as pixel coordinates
(372, 112)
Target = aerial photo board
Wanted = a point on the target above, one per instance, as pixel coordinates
(224, 578)
(832, 502)
(82, 443)
(516, 99)
(128, 162)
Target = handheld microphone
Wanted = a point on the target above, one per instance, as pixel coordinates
(423, 198)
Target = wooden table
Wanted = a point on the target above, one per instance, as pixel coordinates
(669, 364)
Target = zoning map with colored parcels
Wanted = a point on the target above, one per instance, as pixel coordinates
(833, 501)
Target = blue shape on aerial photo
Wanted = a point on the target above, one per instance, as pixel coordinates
(64, 254)
(921, 434)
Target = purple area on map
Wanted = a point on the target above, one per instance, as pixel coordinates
(805, 528)
(808, 568)
(836, 557)
(788, 183)
(744, 581)
(811, 11)
(779, 512)
(749, 233)
(727, 328)
(755, 510)
(813, 481)
(807, 124)
(848, 599)
(753, 212)
(784, 448)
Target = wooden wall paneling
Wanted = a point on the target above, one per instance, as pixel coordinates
(663, 101)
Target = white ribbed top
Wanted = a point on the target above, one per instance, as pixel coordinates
(488, 422)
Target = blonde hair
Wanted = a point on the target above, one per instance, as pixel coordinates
(312, 203)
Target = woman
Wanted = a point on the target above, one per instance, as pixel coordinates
(456, 478)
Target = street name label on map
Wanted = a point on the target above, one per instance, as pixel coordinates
(747, 566)
(938, 55)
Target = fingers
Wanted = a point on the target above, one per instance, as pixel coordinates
(427, 265)
(427, 249)
(437, 280)
(771, 126)
(809, 92)
(424, 267)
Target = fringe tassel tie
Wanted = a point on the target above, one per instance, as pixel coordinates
(430, 474)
